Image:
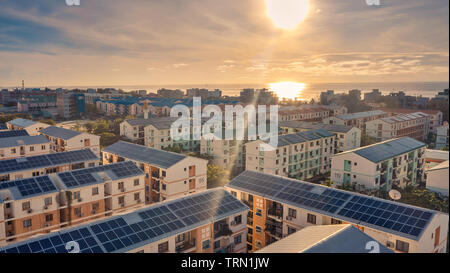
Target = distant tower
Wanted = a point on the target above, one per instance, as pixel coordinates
(23, 85)
(145, 110)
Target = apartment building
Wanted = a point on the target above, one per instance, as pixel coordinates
(302, 155)
(356, 119)
(437, 178)
(415, 125)
(21, 146)
(343, 238)
(70, 104)
(436, 116)
(347, 137)
(32, 166)
(32, 127)
(212, 221)
(281, 206)
(304, 114)
(442, 136)
(434, 158)
(227, 154)
(12, 133)
(63, 140)
(397, 162)
(168, 175)
(41, 204)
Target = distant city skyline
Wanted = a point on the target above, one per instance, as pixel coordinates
(123, 43)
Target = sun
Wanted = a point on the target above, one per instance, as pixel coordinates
(287, 14)
(288, 90)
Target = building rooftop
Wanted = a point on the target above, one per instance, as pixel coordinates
(144, 154)
(387, 149)
(133, 230)
(404, 110)
(404, 117)
(300, 137)
(29, 187)
(59, 132)
(13, 133)
(315, 125)
(90, 176)
(3, 126)
(436, 155)
(361, 115)
(376, 213)
(22, 122)
(160, 123)
(44, 161)
(443, 165)
(324, 239)
(23, 140)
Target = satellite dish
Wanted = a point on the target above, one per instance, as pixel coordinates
(395, 194)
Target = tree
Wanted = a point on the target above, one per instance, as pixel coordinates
(445, 148)
(217, 176)
(48, 121)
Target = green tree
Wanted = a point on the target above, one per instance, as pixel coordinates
(217, 176)
(445, 148)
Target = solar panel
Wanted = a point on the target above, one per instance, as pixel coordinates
(30, 186)
(121, 233)
(14, 133)
(352, 207)
(41, 161)
(85, 176)
(388, 149)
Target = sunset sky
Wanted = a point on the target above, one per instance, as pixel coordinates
(146, 42)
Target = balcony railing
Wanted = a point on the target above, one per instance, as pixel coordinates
(185, 246)
(222, 230)
(278, 214)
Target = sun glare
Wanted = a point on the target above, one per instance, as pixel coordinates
(288, 90)
(287, 14)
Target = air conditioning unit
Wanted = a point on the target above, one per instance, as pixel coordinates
(79, 199)
(30, 211)
(233, 223)
(390, 244)
(46, 225)
(45, 207)
(289, 218)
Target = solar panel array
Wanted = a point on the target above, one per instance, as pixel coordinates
(30, 186)
(145, 154)
(14, 133)
(84, 176)
(388, 149)
(60, 132)
(404, 117)
(41, 161)
(300, 137)
(132, 230)
(382, 214)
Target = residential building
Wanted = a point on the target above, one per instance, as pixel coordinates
(434, 157)
(40, 204)
(301, 155)
(169, 175)
(397, 162)
(12, 133)
(356, 119)
(436, 116)
(327, 239)
(281, 206)
(442, 136)
(347, 137)
(304, 114)
(373, 96)
(21, 146)
(258, 96)
(203, 93)
(437, 178)
(31, 166)
(63, 140)
(70, 105)
(414, 125)
(32, 127)
(206, 222)
(167, 93)
(227, 154)
(40, 105)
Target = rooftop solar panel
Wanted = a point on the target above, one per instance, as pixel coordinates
(59, 132)
(407, 221)
(43, 161)
(145, 154)
(133, 230)
(24, 188)
(14, 133)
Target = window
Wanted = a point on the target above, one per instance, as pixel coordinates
(238, 220)
(136, 182)
(163, 247)
(258, 212)
(292, 213)
(27, 223)
(43, 147)
(26, 205)
(163, 186)
(335, 221)
(120, 185)
(95, 207)
(76, 195)
(205, 244)
(232, 193)
(258, 229)
(95, 191)
(31, 148)
(48, 201)
(163, 173)
(311, 219)
(216, 244)
(291, 230)
(137, 196)
(402, 246)
(13, 151)
(77, 211)
(48, 217)
(237, 239)
(122, 200)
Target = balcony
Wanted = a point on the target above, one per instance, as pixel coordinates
(185, 246)
(275, 213)
(221, 229)
(228, 249)
(155, 174)
(274, 231)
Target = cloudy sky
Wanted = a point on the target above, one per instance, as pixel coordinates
(146, 42)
